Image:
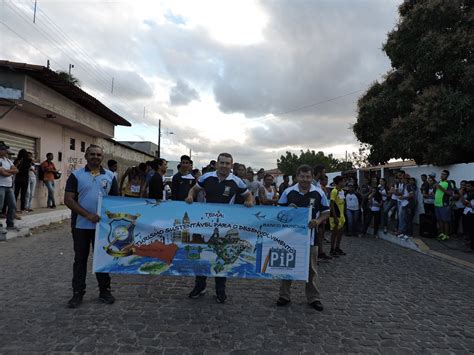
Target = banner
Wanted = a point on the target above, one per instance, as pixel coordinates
(142, 236)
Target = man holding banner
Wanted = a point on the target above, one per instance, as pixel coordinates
(305, 194)
(220, 186)
(83, 188)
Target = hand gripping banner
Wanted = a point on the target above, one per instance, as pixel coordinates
(143, 236)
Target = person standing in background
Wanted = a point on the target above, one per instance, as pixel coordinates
(23, 164)
(49, 171)
(31, 183)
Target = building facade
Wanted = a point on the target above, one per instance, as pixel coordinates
(43, 113)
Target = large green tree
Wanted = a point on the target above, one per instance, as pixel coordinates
(289, 163)
(424, 107)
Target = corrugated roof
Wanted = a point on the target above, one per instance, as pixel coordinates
(52, 80)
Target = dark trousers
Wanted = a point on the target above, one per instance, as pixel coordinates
(21, 186)
(469, 223)
(83, 238)
(429, 208)
(376, 216)
(458, 212)
(220, 283)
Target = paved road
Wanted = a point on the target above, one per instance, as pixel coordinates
(379, 299)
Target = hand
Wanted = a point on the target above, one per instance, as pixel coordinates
(93, 218)
(292, 205)
(189, 199)
(248, 203)
(13, 170)
(313, 223)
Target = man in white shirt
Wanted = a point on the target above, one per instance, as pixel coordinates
(7, 171)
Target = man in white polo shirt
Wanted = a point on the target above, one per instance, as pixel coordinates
(7, 171)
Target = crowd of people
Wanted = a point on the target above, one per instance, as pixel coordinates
(343, 207)
(18, 181)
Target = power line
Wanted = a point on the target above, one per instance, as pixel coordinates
(52, 41)
(305, 106)
(74, 45)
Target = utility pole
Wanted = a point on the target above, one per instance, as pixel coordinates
(48, 65)
(70, 67)
(190, 152)
(34, 14)
(159, 139)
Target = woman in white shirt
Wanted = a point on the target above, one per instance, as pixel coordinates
(352, 211)
(375, 207)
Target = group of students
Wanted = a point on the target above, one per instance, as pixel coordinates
(18, 179)
(449, 208)
(222, 181)
(219, 182)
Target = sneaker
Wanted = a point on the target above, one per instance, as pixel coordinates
(76, 300)
(317, 305)
(13, 228)
(106, 297)
(281, 302)
(339, 251)
(197, 292)
(323, 256)
(220, 297)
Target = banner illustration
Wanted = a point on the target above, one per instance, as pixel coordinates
(143, 236)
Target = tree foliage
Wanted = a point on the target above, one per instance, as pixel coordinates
(71, 78)
(290, 162)
(424, 107)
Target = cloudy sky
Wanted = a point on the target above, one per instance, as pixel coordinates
(254, 78)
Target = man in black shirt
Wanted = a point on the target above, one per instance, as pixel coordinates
(220, 186)
(156, 186)
(305, 194)
(183, 180)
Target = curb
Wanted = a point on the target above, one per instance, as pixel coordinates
(419, 246)
(30, 222)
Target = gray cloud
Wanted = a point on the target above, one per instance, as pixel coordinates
(182, 94)
(312, 51)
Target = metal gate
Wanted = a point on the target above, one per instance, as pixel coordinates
(18, 141)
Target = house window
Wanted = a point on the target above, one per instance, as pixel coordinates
(83, 146)
(60, 156)
(72, 144)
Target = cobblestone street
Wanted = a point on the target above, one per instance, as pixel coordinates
(380, 298)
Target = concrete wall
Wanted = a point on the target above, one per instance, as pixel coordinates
(125, 157)
(46, 98)
(54, 138)
(458, 172)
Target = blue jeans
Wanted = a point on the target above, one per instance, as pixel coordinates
(387, 206)
(353, 221)
(7, 195)
(31, 192)
(50, 186)
(402, 218)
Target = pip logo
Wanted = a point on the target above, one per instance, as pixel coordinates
(282, 258)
